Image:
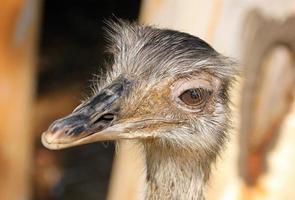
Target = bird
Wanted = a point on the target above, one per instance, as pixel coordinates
(166, 90)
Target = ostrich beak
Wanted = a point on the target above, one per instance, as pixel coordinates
(91, 121)
(97, 120)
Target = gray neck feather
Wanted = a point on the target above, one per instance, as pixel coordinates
(174, 174)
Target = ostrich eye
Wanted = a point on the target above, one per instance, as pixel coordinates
(192, 93)
(195, 97)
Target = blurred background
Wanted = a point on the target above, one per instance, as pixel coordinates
(50, 51)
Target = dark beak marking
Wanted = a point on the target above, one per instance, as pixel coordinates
(94, 115)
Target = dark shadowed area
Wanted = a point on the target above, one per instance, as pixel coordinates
(71, 51)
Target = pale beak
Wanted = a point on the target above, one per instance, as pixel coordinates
(97, 120)
(90, 121)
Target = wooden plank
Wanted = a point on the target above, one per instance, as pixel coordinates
(127, 174)
(266, 142)
(18, 37)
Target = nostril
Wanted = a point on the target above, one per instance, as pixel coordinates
(108, 117)
(105, 119)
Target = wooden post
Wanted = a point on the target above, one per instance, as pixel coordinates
(127, 182)
(18, 37)
(266, 108)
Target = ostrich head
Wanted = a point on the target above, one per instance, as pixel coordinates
(166, 89)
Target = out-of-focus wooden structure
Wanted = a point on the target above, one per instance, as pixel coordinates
(258, 162)
(18, 42)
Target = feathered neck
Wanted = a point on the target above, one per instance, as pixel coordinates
(173, 173)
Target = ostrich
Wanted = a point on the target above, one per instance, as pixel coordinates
(168, 92)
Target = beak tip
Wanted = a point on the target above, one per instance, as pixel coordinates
(58, 140)
(48, 139)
